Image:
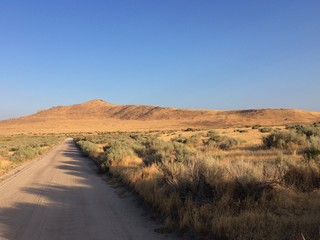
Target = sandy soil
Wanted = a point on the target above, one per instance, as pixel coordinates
(61, 197)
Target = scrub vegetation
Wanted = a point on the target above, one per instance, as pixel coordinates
(15, 149)
(218, 185)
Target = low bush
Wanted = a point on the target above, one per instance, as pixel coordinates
(157, 151)
(88, 148)
(25, 154)
(265, 130)
(309, 131)
(256, 126)
(316, 124)
(284, 140)
(241, 130)
(312, 151)
(116, 152)
(304, 177)
(216, 141)
(181, 152)
(212, 134)
(15, 149)
(190, 130)
(218, 196)
(193, 141)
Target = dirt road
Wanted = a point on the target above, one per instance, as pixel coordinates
(62, 197)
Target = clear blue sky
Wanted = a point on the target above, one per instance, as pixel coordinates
(206, 54)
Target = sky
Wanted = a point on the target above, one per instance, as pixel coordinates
(201, 54)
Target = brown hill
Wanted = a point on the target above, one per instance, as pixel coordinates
(98, 115)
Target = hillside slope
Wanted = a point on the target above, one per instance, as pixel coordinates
(98, 115)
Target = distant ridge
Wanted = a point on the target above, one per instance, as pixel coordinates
(98, 115)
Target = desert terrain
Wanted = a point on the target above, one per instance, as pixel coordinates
(98, 115)
(200, 173)
(60, 196)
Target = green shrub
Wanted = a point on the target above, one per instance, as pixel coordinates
(194, 141)
(240, 130)
(210, 193)
(153, 150)
(24, 147)
(227, 143)
(256, 126)
(116, 152)
(190, 130)
(216, 141)
(294, 127)
(316, 124)
(87, 147)
(212, 134)
(309, 131)
(312, 151)
(181, 152)
(265, 130)
(284, 140)
(179, 140)
(25, 153)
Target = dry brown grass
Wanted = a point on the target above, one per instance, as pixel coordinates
(245, 193)
(98, 115)
(5, 165)
(16, 149)
(279, 212)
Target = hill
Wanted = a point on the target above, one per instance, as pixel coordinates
(98, 115)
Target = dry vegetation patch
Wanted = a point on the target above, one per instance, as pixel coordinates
(218, 185)
(16, 149)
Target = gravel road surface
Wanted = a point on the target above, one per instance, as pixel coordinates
(61, 196)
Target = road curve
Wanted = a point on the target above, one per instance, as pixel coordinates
(61, 197)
